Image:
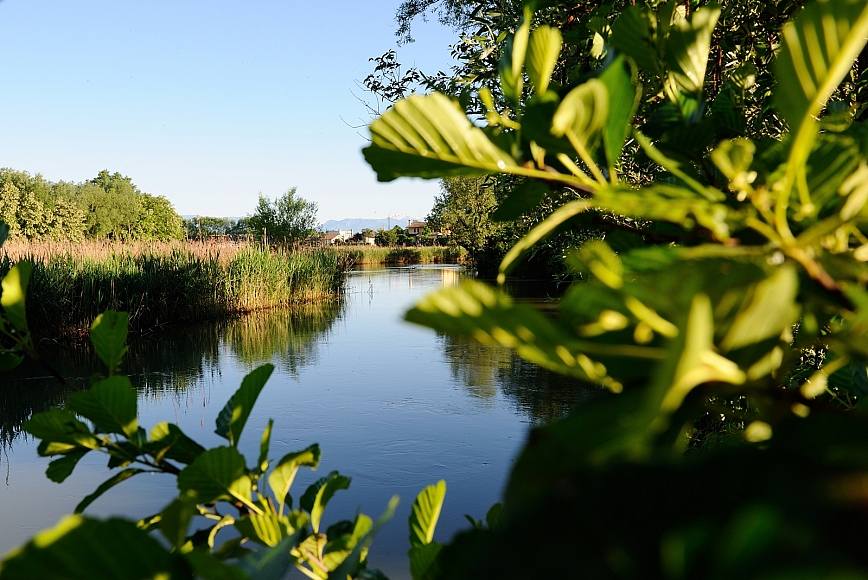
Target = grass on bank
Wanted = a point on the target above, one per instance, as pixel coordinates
(372, 255)
(160, 284)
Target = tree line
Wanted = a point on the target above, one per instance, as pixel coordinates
(109, 206)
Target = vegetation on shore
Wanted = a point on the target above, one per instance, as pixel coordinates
(168, 283)
(389, 255)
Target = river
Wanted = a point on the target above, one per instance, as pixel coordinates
(392, 405)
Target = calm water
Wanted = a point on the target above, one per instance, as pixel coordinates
(392, 405)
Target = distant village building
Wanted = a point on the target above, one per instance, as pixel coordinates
(337, 236)
(414, 229)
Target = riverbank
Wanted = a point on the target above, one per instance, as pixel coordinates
(166, 284)
(401, 255)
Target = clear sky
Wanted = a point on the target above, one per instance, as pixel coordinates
(206, 102)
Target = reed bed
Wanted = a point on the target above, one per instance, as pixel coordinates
(163, 284)
(369, 255)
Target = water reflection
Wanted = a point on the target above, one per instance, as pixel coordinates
(173, 362)
(485, 370)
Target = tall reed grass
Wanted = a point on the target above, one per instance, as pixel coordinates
(367, 255)
(161, 284)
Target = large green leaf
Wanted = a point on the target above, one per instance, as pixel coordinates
(634, 33)
(340, 546)
(14, 295)
(233, 417)
(108, 333)
(281, 477)
(512, 61)
(110, 404)
(317, 496)
(59, 469)
(60, 426)
(119, 477)
(667, 203)
(542, 56)
(175, 519)
(169, 442)
(266, 529)
(582, 115)
(425, 513)
(218, 474)
(687, 49)
(80, 548)
(423, 560)
(430, 136)
(818, 49)
(624, 98)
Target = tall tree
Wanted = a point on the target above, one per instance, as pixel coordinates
(288, 219)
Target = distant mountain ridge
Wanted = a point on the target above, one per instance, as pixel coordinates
(358, 224)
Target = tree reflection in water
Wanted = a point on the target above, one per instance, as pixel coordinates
(172, 363)
(483, 370)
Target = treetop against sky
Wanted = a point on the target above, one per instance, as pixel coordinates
(206, 103)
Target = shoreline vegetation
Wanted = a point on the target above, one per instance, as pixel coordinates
(169, 283)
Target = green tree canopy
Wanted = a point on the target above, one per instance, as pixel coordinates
(287, 219)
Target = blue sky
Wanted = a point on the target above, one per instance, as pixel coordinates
(206, 102)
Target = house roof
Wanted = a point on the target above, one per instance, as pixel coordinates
(417, 225)
(330, 236)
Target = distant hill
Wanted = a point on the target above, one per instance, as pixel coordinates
(358, 224)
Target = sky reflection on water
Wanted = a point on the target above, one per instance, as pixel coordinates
(392, 405)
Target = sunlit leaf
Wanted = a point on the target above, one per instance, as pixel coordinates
(264, 444)
(430, 136)
(217, 474)
(582, 114)
(687, 49)
(233, 416)
(266, 529)
(351, 563)
(281, 477)
(542, 56)
(425, 513)
(317, 496)
(271, 563)
(110, 404)
(14, 294)
(108, 333)
(169, 442)
(61, 426)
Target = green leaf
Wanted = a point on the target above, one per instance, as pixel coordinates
(818, 49)
(281, 477)
(169, 442)
(80, 548)
(271, 563)
(687, 49)
(542, 56)
(430, 136)
(350, 565)
(175, 519)
(14, 294)
(266, 529)
(624, 95)
(59, 469)
(264, 444)
(208, 567)
(511, 73)
(582, 114)
(520, 200)
(634, 33)
(110, 404)
(422, 560)
(60, 426)
(218, 474)
(770, 309)
(9, 361)
(105, 486)
(494, 517)
(233, 417)
(425, 513)
(667, 203)
(108, 333)
(538, 233)
(317, 496)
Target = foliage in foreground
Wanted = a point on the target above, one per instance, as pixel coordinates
(730, 283)
(217, 487)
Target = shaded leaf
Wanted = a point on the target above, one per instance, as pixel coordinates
(59, 469)
(176, 517)
(169, 442)
(512, 61)
(350, 565)
(233, 416)
(317, 496)
(80, 548)
(281, 477)
(271, 563)
(110, 404)
(523, 198)
(687, 49)
(623, 103)
(423, 560)
(60, 426)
